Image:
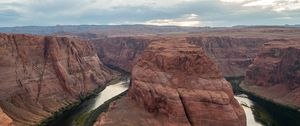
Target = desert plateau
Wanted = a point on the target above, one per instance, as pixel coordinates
(150, 63)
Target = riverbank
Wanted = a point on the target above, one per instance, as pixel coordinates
(281, 114)
(71, 107)
(235, 81)
(90, 118)
(284, 114)
(247, 88)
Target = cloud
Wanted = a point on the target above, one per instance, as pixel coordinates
(190, 20)
(234, 1)
(158, 12)
(171, 22)
(275, 5)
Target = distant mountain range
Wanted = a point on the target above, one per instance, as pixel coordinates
(126, 30)
(105, 29)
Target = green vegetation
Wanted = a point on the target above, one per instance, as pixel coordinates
(69, 108)
(262, 116)
(89, 118)
(267, 111)
(284, 114)
(58, 113)
(81, 120)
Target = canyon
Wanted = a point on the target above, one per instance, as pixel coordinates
(41, 75)
(232, 54)
(121, 52)
(149, 63)
(176, 76)
(175, 83)
(275, 73)
(233, 50)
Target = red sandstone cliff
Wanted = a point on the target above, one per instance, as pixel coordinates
(175, 84)
(275, 73)
(121, 52)
(39, 75)
(5, 120)
(233, 55)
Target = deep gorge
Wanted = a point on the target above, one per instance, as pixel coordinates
(53, 81)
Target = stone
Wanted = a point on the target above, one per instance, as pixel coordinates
(43, 74)
(275, 73)
(175, 84)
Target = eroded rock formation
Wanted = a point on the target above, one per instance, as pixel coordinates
(175, 83)
(121, 52)
(275, 73)
(233, 55)
(5, 120)
(40, 75)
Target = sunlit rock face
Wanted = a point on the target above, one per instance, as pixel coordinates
(5, 120)
(40, 75)
(275, 72)
(175, 83)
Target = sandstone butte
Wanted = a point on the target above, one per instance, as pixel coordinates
(232, 54)
(40, 75)
(175, 84)
(233, 50)
(275, 73)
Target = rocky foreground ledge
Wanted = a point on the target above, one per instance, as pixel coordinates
(175, 83)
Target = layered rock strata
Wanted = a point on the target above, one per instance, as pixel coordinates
(275, 73)
(121, 52)
(233, 55)
(40, 75)
(5, 120)
(175, 83)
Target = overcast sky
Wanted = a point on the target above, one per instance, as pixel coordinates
(152, 12)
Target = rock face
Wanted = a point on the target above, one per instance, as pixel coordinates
(121, 52)
(175, 83)
(40, 75)
(5, 120)
(233, 55)
(275, 73)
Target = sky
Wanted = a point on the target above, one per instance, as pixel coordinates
(200, 13)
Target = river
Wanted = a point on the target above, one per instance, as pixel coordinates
(261, 112)
(256, 113)
(112, 90)
(248, 106)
